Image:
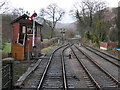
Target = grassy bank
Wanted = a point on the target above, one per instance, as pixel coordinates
(45, 50)
(6, 50)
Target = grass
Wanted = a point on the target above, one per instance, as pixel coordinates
(45, 50)
(45, 40)
(19, 69)
(7, 48)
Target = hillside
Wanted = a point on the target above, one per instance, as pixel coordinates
(109, 14)
(66, 25)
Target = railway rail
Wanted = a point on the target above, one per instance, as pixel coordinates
(105, 56)
(94, 82)
(93, 69)
(64, 70)
(110, 64)
(103, 53)
(54, 79)
(82, 71)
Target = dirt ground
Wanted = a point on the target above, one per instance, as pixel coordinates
(20, 67)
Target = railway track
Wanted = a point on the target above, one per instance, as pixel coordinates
(54, 75)
(110, 64)
(57, 72)
(100, 77)
(103, 55)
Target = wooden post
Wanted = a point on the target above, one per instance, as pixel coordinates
(118, 52)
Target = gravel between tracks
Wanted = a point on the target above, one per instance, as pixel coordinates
(112, 69)
(99, 76)
(76, 76)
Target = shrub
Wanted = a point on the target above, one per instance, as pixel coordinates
(109, 48)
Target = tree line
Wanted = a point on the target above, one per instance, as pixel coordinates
(92, 23)
(90, 15)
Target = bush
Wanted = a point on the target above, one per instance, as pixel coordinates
(87, 35)
(109, 48)
(95, 38)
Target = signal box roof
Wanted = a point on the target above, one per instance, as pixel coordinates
(23, 20)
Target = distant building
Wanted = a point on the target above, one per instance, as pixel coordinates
(105, 45)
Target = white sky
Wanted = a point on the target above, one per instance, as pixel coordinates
(36, 5)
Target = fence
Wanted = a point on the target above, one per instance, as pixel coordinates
(7, 74)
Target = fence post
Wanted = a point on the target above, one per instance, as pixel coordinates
(10, 61)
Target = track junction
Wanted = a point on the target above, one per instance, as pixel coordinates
(87, 69)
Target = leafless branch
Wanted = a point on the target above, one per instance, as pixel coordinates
(54, 14)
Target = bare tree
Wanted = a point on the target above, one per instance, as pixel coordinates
(3, 6)
(88, 12)
(88, 8)
(54, 14)
(100, 6)
(93, 7)
(80, 12)
(18, 11)
(42, 12)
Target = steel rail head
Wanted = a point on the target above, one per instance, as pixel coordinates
(100, 67)
(63, 73)
(65, 85)
(87, 71)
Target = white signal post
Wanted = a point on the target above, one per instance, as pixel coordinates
(119, 4)
(33, 42)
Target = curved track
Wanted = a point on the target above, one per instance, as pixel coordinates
(54, 75)
(84, 70)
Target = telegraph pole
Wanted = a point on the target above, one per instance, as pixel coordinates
(118, 22)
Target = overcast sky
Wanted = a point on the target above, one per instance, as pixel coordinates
(32, 5)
